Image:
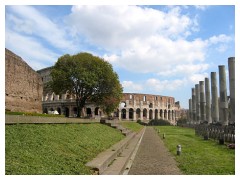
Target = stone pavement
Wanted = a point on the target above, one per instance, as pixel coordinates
(152, 157)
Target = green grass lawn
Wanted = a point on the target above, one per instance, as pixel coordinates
(198, 156)
(136, 127)
(55, 148)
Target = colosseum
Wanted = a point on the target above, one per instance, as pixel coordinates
(133, 106)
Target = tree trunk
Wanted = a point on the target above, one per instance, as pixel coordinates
(80, 106)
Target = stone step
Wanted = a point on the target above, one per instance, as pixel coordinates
(121, 162)
(115, 124)
(106, 158)
(126, 132)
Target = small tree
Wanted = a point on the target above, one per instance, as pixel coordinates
(88, 78)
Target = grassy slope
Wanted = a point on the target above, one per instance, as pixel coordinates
(198, 156)
(136, 127)
(55, 149)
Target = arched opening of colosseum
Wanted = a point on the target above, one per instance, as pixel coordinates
(169, 115)
(123, 104)
(144, 113)
(138, 113)
(66, 112)
(60, 96)
(68, 96)
(75, 111)
(96, 111)
(161, 114)
(53, 96)
(173, 114)
(59, 110)
(123, 113)
(130, 113)
(151, 114)
(51, 109)
(156, 114)
(151, 105)
(165, 114)
(45, 111)
(89, 112)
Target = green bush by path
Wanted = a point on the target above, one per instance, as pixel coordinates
(136, 127)
(159, 122)
(55, 148)
(198, 156)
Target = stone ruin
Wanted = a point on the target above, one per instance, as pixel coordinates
(23, 86)
(209, 108)
(213, 116)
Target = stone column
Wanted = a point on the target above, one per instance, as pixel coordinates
(141, 114)
(190, 111)
(55, 97)
(93, 112)
(214, 92)
(127, 114)
(202, 102)
(119, 112)
(166, 115)
(208, 101)
(153, 113)
(193, 106)
(197, 103)
(134, 114)
(70, 111)
(223, 95)
(231, 70)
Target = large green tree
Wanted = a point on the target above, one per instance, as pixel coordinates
(89, 79)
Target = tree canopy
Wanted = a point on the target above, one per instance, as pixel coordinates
(89, 78)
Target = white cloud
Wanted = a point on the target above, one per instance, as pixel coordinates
(117, 26)
(153, 85)
(201, 7)
(146, 40)
(185, 69)
(130, 86)
(222, 38)
(166, 85)
(143, 39)
(27, 20)
(30, 50)
(160, 55)
(195, 78)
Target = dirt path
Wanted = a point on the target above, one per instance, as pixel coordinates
(153, 157)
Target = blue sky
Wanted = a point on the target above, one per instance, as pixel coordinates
(163, 50)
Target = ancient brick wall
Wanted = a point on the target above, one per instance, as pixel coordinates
(23, 86)
(46, 77)
(156, 99)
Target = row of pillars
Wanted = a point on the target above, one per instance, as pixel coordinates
(206, 107)
(147, 114)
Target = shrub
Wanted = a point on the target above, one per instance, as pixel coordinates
(181, 122)
(159, 122)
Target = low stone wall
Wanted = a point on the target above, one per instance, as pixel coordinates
(20, 119)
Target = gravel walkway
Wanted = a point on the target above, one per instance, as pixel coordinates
(153, 157)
